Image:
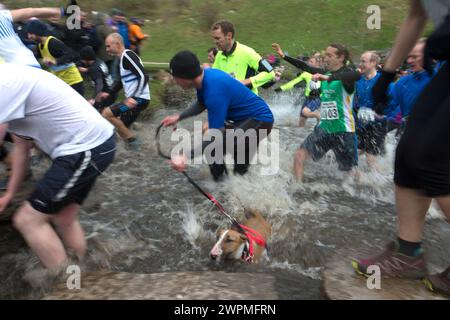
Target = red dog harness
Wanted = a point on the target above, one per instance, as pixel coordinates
(253, 237)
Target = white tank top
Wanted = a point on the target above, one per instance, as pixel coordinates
(12, 49)
(131, 83)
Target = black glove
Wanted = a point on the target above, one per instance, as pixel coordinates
(380, 107)
(379, 91)
(428, 62)
(438, 46)
(277, 90)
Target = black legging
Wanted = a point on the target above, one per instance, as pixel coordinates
(422, 160)
(218, 169)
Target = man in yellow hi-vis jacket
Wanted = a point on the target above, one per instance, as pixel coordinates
(56, 55)
(238, 60)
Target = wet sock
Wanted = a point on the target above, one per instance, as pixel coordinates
(412, 249)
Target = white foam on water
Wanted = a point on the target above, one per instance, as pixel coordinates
(191, 225)
(435, 212)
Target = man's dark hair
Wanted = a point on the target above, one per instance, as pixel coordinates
(342, 51)
(225, 25)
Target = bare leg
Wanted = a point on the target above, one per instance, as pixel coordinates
(35, 227)
(69, 228)
(302, 122)
(123, 131)
(300, 158)
(412, 207)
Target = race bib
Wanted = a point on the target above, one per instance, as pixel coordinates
(329, 111)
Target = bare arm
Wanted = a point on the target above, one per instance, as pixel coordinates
(408, 35)
(20, 157)
(27, 13)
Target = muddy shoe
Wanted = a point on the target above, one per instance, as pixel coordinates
(439, 283)
(393, 264)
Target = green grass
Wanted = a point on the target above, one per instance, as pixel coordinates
(298, 25)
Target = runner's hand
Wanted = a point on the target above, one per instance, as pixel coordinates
(179, 163)
(320, 77)
(170, 120)
(276, 47)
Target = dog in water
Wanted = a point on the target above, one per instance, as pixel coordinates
(233, 244)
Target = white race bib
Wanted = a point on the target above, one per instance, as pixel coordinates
(329, 111)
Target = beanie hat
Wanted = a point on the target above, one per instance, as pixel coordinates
(185, 65)
(38, 28)
(87, 53)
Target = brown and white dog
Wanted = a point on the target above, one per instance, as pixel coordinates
(249, 247)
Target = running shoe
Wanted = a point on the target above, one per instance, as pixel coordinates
(393, 264)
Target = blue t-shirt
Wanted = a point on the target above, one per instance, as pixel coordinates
(408, 88)
(228, 99)
(363, 94)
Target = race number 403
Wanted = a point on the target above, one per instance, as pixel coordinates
(329, 111)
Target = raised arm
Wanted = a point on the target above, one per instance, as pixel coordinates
(296, 62)
(19, 15)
